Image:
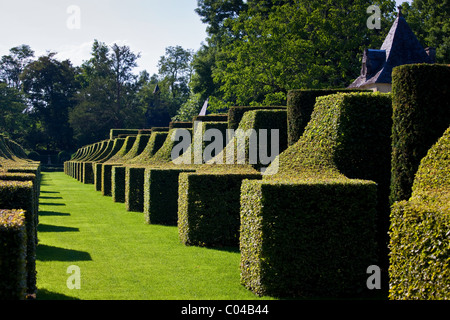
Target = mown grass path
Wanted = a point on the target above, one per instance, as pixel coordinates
(118, 255)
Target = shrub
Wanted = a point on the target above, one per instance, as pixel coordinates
(300, 105)
(180, 124)
(20, 195)
(311, 239)
(319, 177)
(161, 195)
(420, 246)
(13, 244)
(208, 208)
(421, 103)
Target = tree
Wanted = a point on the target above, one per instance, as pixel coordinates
(50, 87)
(175, 70)
(107, 99)
(430, 21)
(12, 65)
(292, 44)
(13, 121)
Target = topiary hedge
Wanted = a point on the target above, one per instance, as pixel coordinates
(324, 175)
(13, 255)
(235, 114)
(311, 239)
(420, 237)
(421, 102)
(208, 208)
(19, 195)
(161, 195)
(300, 105)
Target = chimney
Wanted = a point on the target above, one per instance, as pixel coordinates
(431, 52)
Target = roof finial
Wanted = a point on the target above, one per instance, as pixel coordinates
(400, 13)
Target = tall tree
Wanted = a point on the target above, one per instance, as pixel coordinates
(12, 65)
(107, 99)
(50, 87)
(430, 21)
(292, 44)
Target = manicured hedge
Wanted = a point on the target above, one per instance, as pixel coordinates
(114, 133)
(13, 255)
(118, 143)
(300, 105)
(161, 195)
(138, 147)
(208, 208)
(212, 118)
(421, 102)
(420, 231)
(256, 120)
(155, 142)
(235, 114)
(180, 124)
(134, 188)
(311, 239)
(20, 195)
(324, 175)
(118, 183)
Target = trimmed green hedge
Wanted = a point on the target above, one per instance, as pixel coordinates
(155, 142)
(300, 105)
(180, 124)
(20, 195)
(134, 189)
(161, 195)
(421, 101)
(259, 119)
(420, 232)
(118, 183)
(235, 114)
(13, 255)
(324, 175)
(307, 239)
(115, 133)
(208, 208)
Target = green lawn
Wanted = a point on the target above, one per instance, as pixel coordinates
(118, 255)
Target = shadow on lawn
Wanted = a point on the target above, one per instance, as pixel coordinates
(50, 253)
(53, 213)
(50, 228)
(44, 294)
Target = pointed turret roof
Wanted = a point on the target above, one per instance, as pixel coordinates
(400, 47)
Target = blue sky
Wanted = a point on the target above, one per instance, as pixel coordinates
(146, 26)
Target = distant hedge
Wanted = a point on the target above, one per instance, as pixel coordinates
(421, 102)
(420, 237)
(13, 255)
(300, 105)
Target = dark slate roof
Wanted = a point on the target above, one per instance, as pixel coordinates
(400, 47)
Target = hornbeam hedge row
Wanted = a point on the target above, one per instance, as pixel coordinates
(312, 222)
(19, 207)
